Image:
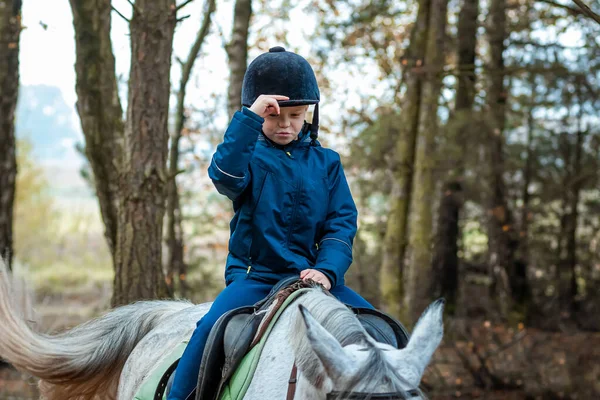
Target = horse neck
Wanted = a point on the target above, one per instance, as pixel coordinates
(272, 374)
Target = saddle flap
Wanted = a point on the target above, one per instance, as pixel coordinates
(214, 356)
(239, 333)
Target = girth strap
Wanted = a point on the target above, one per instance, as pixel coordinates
(292, 383)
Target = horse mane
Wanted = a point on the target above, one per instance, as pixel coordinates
(336, 318)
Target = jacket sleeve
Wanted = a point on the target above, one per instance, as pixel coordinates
(335, 246)
(229, 165)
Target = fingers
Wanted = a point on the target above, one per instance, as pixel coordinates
(316, 276)
(310, 275)
(271, 100)
(276, 96)
(272, 103)
(266, 104)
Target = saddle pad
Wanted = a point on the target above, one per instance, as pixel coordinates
(237, 386)
(148, 388)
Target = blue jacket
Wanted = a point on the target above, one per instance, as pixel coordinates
(293, 207)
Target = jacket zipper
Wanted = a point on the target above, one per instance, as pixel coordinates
(294, 206)
(262, 187)
(249, 267)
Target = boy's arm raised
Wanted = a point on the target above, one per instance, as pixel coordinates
(335, 246)
(229, 166)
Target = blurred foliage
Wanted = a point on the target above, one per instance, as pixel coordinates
(63, 248)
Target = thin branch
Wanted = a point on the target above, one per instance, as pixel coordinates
(195, 50)
(182, 18)
(120, 15)
(587, 11)
(135, 7)
(185, 3)
(572, 10)
(172, 175)
(174, 237)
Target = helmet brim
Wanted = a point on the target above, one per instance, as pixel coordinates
(293, 103)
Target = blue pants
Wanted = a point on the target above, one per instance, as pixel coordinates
(241, 292)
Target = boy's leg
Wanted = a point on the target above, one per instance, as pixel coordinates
(243, 292)
(350, 297)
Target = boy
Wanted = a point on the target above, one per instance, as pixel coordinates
(294, 213)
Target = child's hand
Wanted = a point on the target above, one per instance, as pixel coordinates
(316, 276)
(266, 104)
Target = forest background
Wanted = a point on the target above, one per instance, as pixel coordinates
(468, 130)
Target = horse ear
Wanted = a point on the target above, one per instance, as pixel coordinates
(426, 336)
(330, 352)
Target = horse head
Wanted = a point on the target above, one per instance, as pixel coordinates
(360, 368)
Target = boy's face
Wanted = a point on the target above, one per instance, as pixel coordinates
(285, 127)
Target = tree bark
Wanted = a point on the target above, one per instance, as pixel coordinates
(445, 261)
(467, 42)
(418, 268)
(98, 106)
(237, 53)
(10, 32)
(500, 222)
(138, 270)
(176, 266)
(401, 167)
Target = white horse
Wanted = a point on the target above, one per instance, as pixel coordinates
(109, 357)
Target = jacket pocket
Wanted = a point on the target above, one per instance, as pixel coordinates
(258, 189)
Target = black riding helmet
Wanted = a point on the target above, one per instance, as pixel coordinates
(284, 73)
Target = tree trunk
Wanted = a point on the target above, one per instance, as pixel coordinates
(418, 268)
(176, 266)
(445, 261)
(445, 258)
(98, 106)
(572, 222)
(395, 241)
(467, 42)
(143, 179)
(573, 182)
(237, 52)
(520, 284)
(499, 216)
(10, 32)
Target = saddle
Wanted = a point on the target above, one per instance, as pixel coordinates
(238, 330)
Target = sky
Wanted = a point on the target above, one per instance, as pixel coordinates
(48, 47)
